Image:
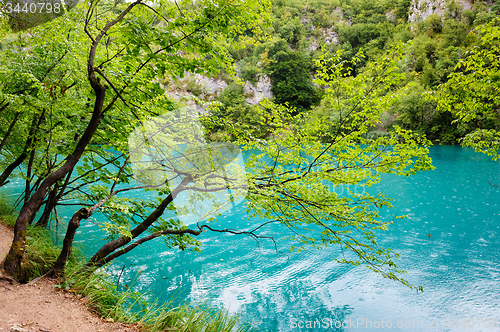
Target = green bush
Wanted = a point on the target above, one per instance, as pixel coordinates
(435, 23)
(235, 109)
(41, 252)
(292, 82)
(193, 87)
(249, 72)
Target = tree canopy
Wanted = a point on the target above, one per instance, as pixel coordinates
(100, 92)
(111, 56)
(472, 91)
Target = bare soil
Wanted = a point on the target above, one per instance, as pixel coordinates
(42, 307)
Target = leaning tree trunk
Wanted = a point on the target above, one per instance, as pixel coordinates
(9, 131)
(54, 196)
(12, 264)
(49, 206)
(6, 173)
(35, 125)
(27, 191)
(73, 225)
(60, 263)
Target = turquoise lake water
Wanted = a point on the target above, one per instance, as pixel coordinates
(458, 266)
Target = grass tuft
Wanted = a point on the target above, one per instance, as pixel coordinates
(7, 214)
(130, 306)
(40, 252)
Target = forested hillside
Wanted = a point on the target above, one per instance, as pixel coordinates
(436, 35)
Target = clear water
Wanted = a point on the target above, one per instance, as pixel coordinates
(458, 266)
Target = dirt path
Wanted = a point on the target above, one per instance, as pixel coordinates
(40, 307)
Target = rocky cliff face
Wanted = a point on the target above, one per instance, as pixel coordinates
(421, 9)
(262, 89)
(210, 86)
(194, 89)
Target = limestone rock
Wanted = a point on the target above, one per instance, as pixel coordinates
(421, 9)
(261, 90)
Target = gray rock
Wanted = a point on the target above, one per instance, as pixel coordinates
(17, 328)
(421, 9)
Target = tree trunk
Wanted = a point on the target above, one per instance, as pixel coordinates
(9, 131)
(49, 206)
(123, 251)
(73, 225)
(35, 124)
(27, 191)
(54, 197)
(6, 173)
(12, 264)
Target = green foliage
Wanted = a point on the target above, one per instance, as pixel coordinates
(471, 93)
(40, 87)
(360, 34)
(346, 95)
(402, 9)
(41, 252)
(292, 83)
(292, 180)
(194, 87)
(370, 26)
(234, 108)
(435, 23)
(250, 71)
(414, 111)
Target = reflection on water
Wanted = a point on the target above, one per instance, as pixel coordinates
(458, 265)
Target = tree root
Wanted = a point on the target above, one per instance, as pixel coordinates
(7, 288)
(49, 274)
(12, 281)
